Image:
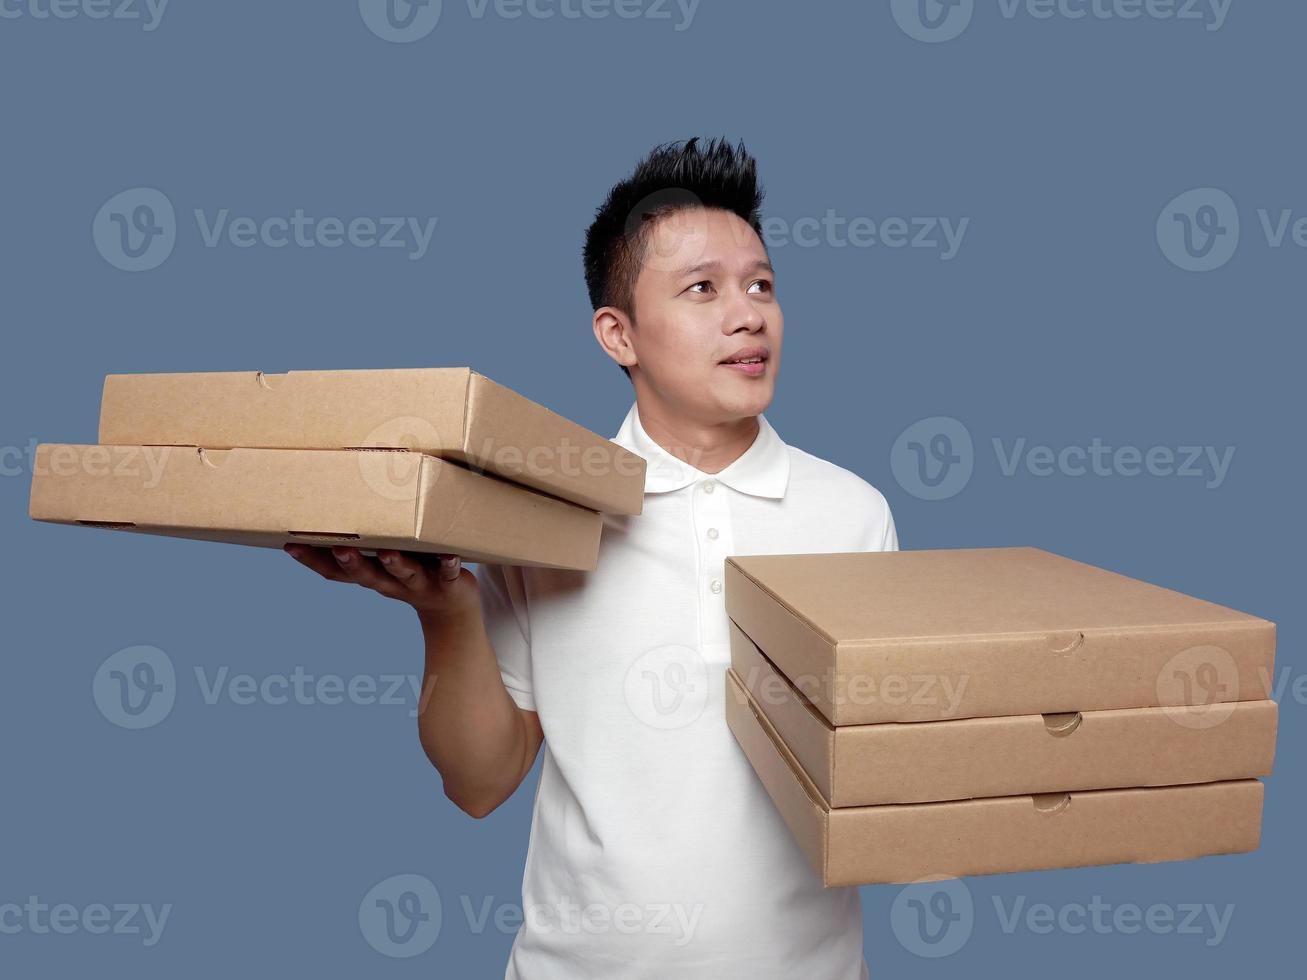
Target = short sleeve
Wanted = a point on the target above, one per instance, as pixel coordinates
(877, 526)
(503, 607)
(890, 540)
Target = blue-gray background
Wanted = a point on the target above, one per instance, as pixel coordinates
(1063, 317)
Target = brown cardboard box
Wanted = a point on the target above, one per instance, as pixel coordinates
(364, 498)
(927, 761)
(453, 413)
(896, 844)
(902, 636)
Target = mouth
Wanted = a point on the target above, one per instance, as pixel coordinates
(752, 361)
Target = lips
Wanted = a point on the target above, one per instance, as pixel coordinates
(748, 355)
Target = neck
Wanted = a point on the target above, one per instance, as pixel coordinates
(709, 447)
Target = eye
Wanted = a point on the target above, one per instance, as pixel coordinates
(696, 285)
(766, 286)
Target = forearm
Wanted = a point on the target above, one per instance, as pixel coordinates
(470, 727)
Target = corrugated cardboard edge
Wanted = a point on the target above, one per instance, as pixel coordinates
(617, 489)
(810, 737)
(451, 495)
(797, 799)
(108, 485)
(228, 409)
(1236, 742)
(569, 539)
(124, 419)
(105, 401)
(821, 832)
(1043, 832)
(800, 648)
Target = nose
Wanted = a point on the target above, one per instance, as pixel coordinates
(743, 314)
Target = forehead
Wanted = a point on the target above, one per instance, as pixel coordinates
(689, 239)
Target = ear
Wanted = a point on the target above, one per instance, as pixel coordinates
(613, 329)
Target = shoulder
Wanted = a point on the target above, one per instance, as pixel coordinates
(833, 484)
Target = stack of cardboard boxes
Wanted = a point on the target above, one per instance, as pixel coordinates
(433, 460)
(926, 714)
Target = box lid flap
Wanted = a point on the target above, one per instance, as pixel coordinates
(898, 595)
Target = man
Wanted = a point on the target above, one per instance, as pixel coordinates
(654, 850)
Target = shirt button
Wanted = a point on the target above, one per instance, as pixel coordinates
(716, 585)
(708, 485)
(712, 534)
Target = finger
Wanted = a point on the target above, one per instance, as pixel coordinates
(362, 570)
(450, 565)
(318, 559)
(406, 571)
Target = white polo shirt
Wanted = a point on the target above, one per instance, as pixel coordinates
(654, 850)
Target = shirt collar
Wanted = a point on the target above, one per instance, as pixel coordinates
(763, 470)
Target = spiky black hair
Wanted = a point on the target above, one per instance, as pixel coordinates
(674, 176)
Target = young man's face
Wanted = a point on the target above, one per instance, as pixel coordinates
(705, 296)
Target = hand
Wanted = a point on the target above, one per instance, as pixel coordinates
(432, 584)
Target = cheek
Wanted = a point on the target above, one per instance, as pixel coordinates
(685, 343)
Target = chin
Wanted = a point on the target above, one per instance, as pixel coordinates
(747, 399)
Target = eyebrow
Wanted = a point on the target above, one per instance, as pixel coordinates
(714, 266)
